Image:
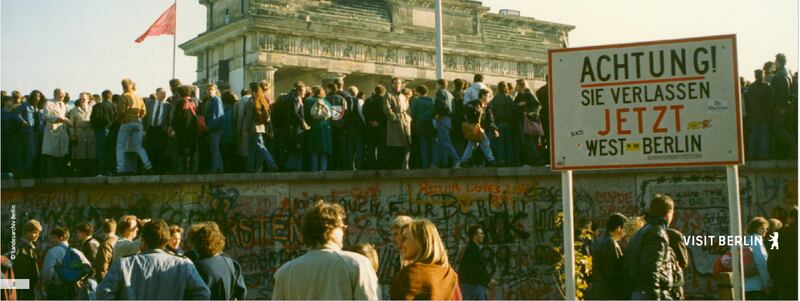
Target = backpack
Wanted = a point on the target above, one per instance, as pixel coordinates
(319, 110)
(71, 268)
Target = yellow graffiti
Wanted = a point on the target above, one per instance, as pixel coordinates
(633, 146)
(697, 125)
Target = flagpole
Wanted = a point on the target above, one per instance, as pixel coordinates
(174, 39)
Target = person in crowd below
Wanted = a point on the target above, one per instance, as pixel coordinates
(651, 261)
(504, 111)
(757, 285)
(607, 264)
(585, 234)
(215, 117)
(7, 268)
(57, 288)
(82, 137)
(785, 143)
(396, 228)
(296, 127)
(424, 131)
(375, 130)
(228, 142)
(103, 116)
(783, 265)
(325, 271)
(446, 154)
(184, 127)
(478, 112)
(459, 86)
(631, 227)
(398, 127)
(55, 143)
(529, 111)
(472, 92)
(340, 106)
(356, 126)
(130, 111)
(758, 102)
(429, 275)
(679, 248)
(222, 274)
(242, 134)
(28, 123)
(26, 263)
(156, 134)
(475, 278)
(174, 242)
(368, 250)
(89, 245)
(775, 225)
(127, 244)
(257, 118)
(105, 253)
(153, 274)
(319, 139)
(8, 138)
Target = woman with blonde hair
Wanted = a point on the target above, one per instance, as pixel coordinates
(429, 276)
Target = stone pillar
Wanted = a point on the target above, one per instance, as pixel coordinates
(265, 72)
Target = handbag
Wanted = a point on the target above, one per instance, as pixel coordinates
(201, 120)
(473, 131)
(533, 126)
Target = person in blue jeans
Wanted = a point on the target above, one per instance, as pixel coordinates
(130, 111)
(320, 138)
(422, 121)
(28, 121)
(257, 116)
(478, 111)
(446, 154)
(215, 115)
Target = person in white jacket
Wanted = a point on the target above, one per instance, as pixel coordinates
(757, 286)
(473, 90)
(326, 272)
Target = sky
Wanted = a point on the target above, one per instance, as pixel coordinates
(88, 45)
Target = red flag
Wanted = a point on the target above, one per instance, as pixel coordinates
(164, 25)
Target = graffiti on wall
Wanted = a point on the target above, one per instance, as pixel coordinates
(261, 222)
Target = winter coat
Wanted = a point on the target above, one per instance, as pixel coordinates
(55, 141)
(398, 124)
(319, 139)
(651, 261)
(81, 133)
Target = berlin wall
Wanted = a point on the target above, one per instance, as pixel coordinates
(260, 214)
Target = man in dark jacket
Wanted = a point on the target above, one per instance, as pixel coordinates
(356, 124)
(443, 112)
(103, 116)
(26, 263)
(786, 144)
(504, 111)
(473, 276)
(650, 264)
(340, 111)
(759, 106)
(783, 265)
(607, 266)
(376, 129)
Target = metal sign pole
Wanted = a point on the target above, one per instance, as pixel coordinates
(735, 229)
(569, 239)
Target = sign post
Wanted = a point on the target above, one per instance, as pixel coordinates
(646, 105)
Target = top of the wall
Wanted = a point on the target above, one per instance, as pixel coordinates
(778, 166)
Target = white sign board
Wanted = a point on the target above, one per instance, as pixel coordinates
(650, 104)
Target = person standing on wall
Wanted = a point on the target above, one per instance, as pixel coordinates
(475, 278)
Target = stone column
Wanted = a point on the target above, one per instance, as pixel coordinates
(265, 72)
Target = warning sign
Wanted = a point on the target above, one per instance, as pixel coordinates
(650, 104)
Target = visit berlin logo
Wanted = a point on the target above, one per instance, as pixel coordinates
(731, 241)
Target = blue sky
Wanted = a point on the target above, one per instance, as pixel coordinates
(88, 45)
